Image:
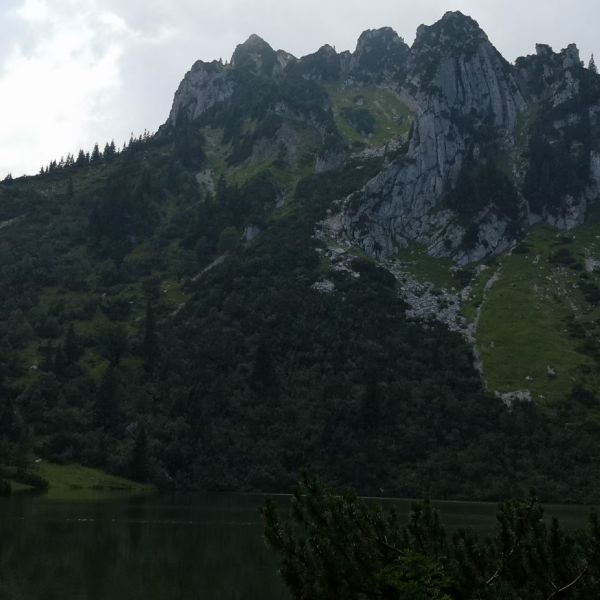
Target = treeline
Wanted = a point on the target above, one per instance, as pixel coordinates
(96, 156)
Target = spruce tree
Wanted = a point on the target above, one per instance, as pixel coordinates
(106, 406)
(263, 379)
(138, 468)
(150, 343)
(96, 156)
(371, 404)
(60, 362)
(109, 151)
(47, 351)
(82, 160)
(71, 346)
(592, 65)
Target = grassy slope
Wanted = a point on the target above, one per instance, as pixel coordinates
(392, 117)
(523, 327)
(77, 482)
(425, 268)
(523, 319)
(74, 482)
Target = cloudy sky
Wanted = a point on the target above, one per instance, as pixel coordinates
(73, 72)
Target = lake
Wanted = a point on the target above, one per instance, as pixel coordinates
(161, 547)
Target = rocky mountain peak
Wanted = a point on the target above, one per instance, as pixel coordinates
(255, 55)
(451, 43)
(543, 50)
(203, 86)
(473, 117)
(453, 31)
(382, 38)
(571, 58)
(569, 55)
(254, 43)
(550, 74)
(380, 50)
(322, 65)
(327, 50)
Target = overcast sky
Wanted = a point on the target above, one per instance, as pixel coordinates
(73, 72)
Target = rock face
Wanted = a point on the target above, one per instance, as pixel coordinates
(472, 108)
(380, 55)
(461, 86)
(494, 148)
(205, 85)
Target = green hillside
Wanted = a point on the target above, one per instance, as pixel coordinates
(538, 328)
(170, 314)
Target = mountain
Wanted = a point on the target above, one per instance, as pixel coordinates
(379, 265)
(493, 148)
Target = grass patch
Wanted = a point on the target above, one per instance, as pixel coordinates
(171, 293)
(392, 118)
(480, 280)
(524, 322)
(428, 269)
(77, 482)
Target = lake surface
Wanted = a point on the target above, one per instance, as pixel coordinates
(156, 547)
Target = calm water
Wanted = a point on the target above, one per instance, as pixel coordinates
(159, 547)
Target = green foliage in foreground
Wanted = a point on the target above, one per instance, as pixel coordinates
(335, 547)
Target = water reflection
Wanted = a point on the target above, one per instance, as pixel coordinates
(157, 547)
(148, 548)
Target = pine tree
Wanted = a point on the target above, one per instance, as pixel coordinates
(7, 414)
(81, 161)
(264, 378)
(113, 342)
(96, 156)
(47, 351)
(109, 151)
(371, 404)
(592, 65)
(171, 177)
(150, 343)
(71, 346)
(60, 362)
(106, 406)
(138, 468)
(336, 546)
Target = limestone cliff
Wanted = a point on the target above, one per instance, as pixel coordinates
(493, 147)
